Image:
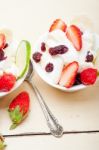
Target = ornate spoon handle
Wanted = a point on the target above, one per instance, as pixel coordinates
(55, 128)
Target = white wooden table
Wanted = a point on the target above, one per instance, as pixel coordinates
(78, 112)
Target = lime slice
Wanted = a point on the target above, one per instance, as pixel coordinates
(23, 57)
(96, 62)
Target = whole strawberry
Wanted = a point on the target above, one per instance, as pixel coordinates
(88, 76)
(2, 143)
(19, 108)
(7, 81)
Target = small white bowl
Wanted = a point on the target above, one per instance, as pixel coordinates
(19, 81)
(42, 75)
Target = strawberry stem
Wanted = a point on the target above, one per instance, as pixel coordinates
(13, 126)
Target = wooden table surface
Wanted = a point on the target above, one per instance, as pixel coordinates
(78, 112)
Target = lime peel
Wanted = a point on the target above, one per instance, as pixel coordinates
(25, 49)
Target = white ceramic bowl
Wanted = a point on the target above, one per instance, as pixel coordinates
(19, 81)
(42, 75)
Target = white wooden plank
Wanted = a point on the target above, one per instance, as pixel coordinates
(69, 142)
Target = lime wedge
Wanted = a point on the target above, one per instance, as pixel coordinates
(23, 57)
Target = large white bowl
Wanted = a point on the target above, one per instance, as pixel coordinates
(42, 75)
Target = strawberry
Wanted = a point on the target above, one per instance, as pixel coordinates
(2, 41)
(7, 81)
(74, 34)
(19, 108)
(88, 76)
(69, 74)
(2, 143)
(58, 24)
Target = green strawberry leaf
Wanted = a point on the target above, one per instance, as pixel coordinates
(16, 117)
(13, 126)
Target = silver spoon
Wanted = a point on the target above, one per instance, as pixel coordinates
(55, 128)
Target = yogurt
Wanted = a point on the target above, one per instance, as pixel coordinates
(58, 37)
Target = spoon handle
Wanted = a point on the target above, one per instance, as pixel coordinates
(55, 128)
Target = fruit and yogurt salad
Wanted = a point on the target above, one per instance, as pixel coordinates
(69, 54)
(14, 60)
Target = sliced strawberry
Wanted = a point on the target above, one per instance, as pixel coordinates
(74, 34)
(69, 74)
(2, 41)
(58, 24)
(88, 76)
(19, 108)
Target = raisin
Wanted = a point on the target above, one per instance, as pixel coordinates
(78, 80)
(43, 47)
(61, 49)
(2, 57)
(49, 67)
(37, 57)
(89, 57)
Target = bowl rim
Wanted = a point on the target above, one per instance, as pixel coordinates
(72, 89)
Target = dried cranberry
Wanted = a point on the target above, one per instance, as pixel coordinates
(53, 51)
(89, 57)
(61, 49)
(78, 80)
(49, 67)
(43, 47)
(2, 55)
(37, 57)
(6, 45)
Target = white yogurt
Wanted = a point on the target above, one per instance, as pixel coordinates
(56, 38)
(8, 65)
